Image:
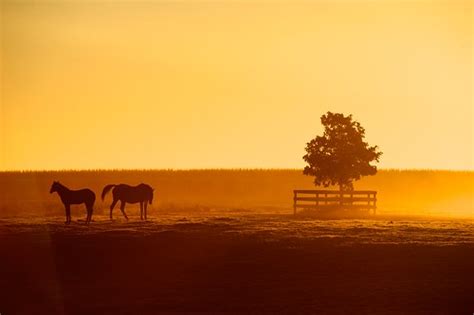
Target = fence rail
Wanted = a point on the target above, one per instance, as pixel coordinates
(317, 199)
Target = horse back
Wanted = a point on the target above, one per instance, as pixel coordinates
(131, 194)
(81, 196)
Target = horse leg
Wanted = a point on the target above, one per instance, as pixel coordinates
(87, 213)
(141, 210)
(146, 205)
(90, 209)
(88, 218)
(68, 213)
(112, 207)
(122, 208)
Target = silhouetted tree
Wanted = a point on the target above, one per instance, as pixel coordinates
(340, 155)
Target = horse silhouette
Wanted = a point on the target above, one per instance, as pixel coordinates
(142, 193)
(74, 197)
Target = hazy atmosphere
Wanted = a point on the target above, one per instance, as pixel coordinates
(191, 84)
(236, 156)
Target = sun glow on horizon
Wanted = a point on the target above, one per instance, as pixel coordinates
(107, 85)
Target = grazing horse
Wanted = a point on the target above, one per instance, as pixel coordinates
(74, 197)
(142, 193)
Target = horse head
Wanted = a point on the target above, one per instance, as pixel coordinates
(54, 187)
(150, 198)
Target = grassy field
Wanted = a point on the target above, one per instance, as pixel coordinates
(236, 263)
(413, 192)
(227, 241)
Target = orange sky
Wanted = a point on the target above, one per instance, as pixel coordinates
(194, 84)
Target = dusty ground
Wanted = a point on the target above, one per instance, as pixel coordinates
(239, 263)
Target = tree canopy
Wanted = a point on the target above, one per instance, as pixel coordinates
(340, 156)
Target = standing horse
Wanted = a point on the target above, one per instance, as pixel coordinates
(142, 193)
(74, 197)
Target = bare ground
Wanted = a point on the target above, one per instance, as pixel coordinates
(238, 263)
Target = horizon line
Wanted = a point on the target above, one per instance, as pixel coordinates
(209, 169)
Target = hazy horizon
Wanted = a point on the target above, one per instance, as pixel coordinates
(445, 193)
(221, 169)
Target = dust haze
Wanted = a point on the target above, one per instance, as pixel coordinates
(400, 192)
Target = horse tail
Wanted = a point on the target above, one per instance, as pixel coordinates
(107, 189)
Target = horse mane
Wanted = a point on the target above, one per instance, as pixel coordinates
(61, 185)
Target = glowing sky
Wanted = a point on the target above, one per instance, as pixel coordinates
(194, 84)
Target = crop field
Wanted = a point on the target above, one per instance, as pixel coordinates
(443, 193)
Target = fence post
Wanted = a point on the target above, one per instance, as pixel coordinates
(294, 202)
(375, 202)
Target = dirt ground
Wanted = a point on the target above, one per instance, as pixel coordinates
(236, 264)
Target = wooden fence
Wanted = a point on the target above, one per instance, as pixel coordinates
(318, 199)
